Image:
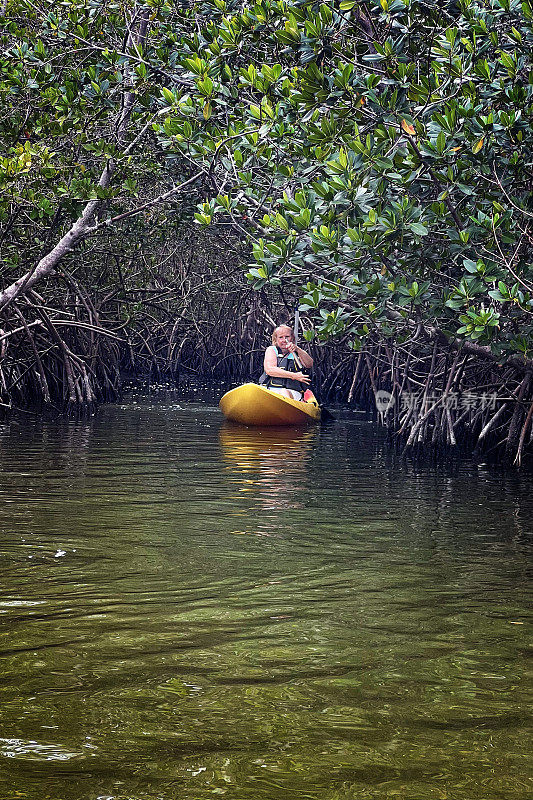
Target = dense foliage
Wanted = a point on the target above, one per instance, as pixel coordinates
(381, 152)
(391, 170)
(375, 155)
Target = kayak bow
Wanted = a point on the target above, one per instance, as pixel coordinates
(251, 404)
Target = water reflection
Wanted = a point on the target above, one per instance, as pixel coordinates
(270, 463)
(367, 640)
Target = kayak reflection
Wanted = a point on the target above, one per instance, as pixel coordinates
(271, 462)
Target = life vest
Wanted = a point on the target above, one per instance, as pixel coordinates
(283, 362)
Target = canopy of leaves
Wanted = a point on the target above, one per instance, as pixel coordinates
(377, 153)
(391, 166)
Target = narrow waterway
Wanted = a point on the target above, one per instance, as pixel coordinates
(191, 609)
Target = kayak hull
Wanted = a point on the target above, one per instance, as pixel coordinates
(251, 404)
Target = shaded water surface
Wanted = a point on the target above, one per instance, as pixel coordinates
(190, 609)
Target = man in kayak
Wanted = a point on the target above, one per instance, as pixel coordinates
(283, 365)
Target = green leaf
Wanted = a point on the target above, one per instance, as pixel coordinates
(167, 94)
(419, 229)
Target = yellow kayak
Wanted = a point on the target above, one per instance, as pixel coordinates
(251, 404)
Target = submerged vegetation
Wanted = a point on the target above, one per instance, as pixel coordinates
(174, 176)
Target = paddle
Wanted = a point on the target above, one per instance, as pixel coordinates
(295, 355)
(325, 415)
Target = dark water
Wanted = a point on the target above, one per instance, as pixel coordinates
(190, 610)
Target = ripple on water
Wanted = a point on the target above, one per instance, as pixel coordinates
(191, 608)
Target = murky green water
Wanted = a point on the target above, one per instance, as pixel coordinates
(190, 609)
